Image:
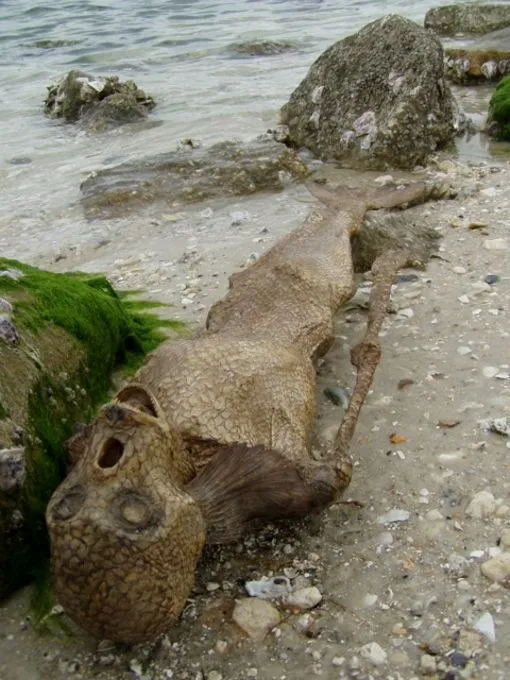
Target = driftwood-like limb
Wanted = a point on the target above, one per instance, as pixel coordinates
(366, 355)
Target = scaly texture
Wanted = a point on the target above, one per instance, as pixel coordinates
(215, 430)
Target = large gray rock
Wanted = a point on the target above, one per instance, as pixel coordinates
(375, 99)
(475, 19)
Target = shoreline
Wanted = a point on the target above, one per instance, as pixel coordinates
(396, 584)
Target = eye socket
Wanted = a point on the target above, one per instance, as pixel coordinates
(134, 511)
(69, 504)
(111, 453)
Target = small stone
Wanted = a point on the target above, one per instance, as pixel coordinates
(469, 643)
(497, 568)
(434, 516)
(407, 312)
(369, 600)
(495, 244)
(490, 371)
(8, 332)
(427, 664)
(505, 538)
(384, 180)
(13, 274)
(463, 350)
(374, 653)
(269, 589)
(457, 660)
(394, 515)
(489, 191)
(491, 279)
(221, 646)
(214, 675)
(5, 307)
(12, 469)
(256, 617)
(252, 672)
(239, 217)
(485, 626)
(482, 505)
(338, 661)
(459, 270)
(464, 299)
(499, 425)
(304, 598)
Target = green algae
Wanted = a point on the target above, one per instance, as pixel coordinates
(499, 110)
(97, 331)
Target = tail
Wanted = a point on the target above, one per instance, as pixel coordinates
(365, 357)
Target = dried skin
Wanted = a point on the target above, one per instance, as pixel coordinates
(215, 430)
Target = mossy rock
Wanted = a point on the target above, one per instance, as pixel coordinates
(498, 123)
(73, 331)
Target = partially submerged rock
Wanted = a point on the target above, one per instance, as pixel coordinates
(467, 67)
(99, 103)
(498, 121)
(261, 48)
(71, 331)
(471, 18)
(190, 175)
(375, 99)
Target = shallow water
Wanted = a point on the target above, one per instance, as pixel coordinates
(178, 52)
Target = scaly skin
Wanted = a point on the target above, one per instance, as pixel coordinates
(215, 431)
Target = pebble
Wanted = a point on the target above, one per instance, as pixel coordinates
(497, 568)
(490, 192)
(338, 661)
(434, 515)
(485, 626)
(427, 664)
(394, 515)
(374, 653)
(8, 332)
(463, 350)
(13, 274)
(499, 425)
(5, 306)
(495, 244)
(12, 469)
(483, 504)
(256, 617)
(490, 371)
(214, 675)
(238, 217)
(269, 589)
(457, 660)
(464, 299)
(505, 538)
(407, 312)
(338, 396)
(304, 598)
(384, 180)
(459, 270)
(491, 279)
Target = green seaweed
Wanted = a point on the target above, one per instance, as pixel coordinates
(499, 109)
(108, 331)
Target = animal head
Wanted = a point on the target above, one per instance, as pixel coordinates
(125, 537)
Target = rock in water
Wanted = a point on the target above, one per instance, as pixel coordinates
(100, 103)
(472, 18)
(191, 175)
(375, 99)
